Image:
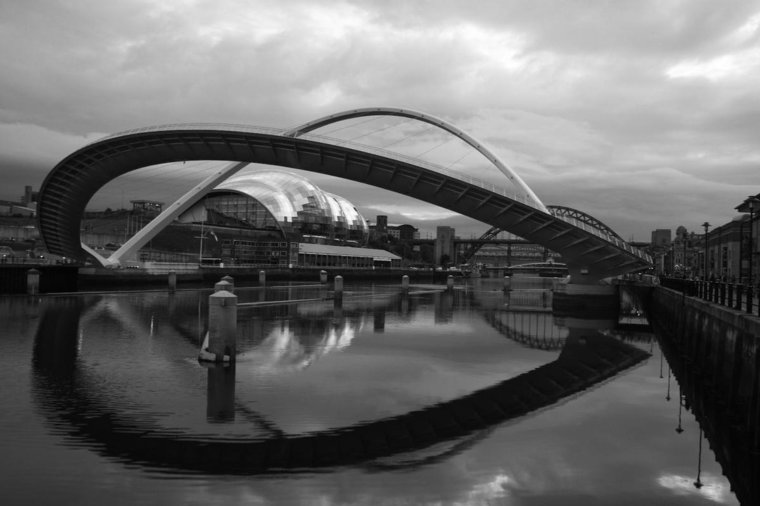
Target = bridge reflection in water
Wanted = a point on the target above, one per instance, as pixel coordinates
(69, 395)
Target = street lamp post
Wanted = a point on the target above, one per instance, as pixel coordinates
(751, 218)
(706, 226)
(741, 252)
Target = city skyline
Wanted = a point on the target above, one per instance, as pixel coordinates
(639, 114)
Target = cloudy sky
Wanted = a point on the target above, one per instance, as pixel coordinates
(642, 113)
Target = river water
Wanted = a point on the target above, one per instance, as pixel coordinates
(98, 389)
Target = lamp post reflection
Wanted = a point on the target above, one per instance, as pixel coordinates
(679, 429)
(698, 484)
(667, 396)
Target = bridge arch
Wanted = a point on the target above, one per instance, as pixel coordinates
(568, 213)
(425, 118)
(590, 254)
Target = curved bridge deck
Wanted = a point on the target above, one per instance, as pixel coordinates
(591, 254)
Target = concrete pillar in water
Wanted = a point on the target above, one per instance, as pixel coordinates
(507, 283)
(220, 393)
(172, 281)
(450, 282)
(223, 286)
(323, 276)
(231, 281)
(222, 326)
(405, 283)
(262, 278)
(338, 297)
(32, 282)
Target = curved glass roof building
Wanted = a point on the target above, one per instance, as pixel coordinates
(277, 200)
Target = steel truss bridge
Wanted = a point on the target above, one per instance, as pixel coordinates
(566, 213)
(590, 251)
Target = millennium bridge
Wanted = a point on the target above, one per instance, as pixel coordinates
(591, 250)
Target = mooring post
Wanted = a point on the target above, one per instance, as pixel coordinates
(220, 393)
(323, 276)
(507, 284)
(338, 287)
(229, 279)
(262, 277)
(172, 281)
(405, 283)
(450, 283)
(222, 326)
(32, 282)
(223, 286)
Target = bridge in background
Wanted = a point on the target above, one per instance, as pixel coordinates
(591, 252)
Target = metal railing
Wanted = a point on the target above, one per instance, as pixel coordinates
(738, 296)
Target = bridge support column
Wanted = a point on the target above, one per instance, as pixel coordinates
(220, 343)
(33, 282)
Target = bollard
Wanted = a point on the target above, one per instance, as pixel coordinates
(231, 281)
(223, 286)
(262, 278)
(338, 294)
(32, 282)
(323, 277)
(220, 393)
(172, 281)
(405, 283)
(507, 283)
(222, 326)
(450, 282)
